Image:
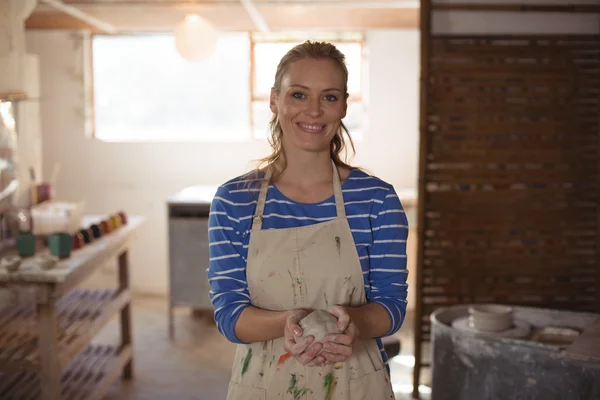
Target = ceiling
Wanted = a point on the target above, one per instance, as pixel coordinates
(128, 16)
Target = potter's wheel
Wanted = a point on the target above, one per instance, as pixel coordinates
(520, 329)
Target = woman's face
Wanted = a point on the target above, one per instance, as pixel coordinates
(310, 104)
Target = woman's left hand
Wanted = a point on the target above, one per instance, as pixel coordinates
(337, 347)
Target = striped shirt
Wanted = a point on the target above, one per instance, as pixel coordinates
(377, 221)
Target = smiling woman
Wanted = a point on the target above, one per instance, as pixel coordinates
(308, 232)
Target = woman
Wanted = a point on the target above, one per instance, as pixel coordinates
(308, 232)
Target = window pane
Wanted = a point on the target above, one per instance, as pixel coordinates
(267, 56)
(266, 59)
(143, 90)
(353, 51)
(261, 115)
(354, 121)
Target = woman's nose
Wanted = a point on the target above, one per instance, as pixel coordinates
(313, 108)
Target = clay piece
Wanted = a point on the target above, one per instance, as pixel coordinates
(46, 261)
(11, 263)
(319, 324)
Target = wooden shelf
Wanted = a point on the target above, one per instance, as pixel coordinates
(87, 377)
(80, 315)
(13, 96)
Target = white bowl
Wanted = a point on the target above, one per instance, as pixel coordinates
(491, 317)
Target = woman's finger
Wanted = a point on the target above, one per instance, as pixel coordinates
(293, 324)
(338, 349)
(310, 354)
(333, 358)
(318, 361)
(342, 315)
(346, 340)
(301, 346)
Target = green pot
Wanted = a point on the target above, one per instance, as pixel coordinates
(60, 244)
(26, 244)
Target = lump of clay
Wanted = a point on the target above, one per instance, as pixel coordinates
(319, 324)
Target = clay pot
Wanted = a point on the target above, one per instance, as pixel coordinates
(491, 317)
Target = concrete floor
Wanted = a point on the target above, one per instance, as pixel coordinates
(197, 364)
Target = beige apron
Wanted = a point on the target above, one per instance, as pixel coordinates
(314, 266)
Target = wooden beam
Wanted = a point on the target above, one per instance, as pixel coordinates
(558, 8)
(77, 13)
(255, 15)
(163, 19)
(54, 20)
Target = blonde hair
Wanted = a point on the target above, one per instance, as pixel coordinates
(337, 150)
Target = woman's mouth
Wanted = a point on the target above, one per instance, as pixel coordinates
(310, 128)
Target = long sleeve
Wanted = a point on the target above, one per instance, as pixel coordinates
(387, 255)
(227, 265)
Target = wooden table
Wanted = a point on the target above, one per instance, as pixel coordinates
(47, 328)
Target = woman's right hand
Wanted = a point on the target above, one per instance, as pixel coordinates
(304, 351)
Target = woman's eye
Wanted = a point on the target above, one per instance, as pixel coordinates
(298, 95)
(331, 97)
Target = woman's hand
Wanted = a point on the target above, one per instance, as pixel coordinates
(338, 347)
(301, 351)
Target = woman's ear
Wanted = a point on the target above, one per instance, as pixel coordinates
(273, 102)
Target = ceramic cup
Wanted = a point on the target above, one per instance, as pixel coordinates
(491, 317)
(60, 244)
(26, 244)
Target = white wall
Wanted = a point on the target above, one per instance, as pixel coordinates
(139, 177)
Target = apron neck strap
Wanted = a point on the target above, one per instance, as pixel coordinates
(337, 192)
(257, 220)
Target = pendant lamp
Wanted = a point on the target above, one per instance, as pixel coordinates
(195, 38)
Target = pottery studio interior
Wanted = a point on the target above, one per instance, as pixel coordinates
(120, 120)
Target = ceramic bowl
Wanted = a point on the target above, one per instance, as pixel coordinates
(491, 317)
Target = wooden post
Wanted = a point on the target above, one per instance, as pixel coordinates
(48, 339)
(126, 336)
(423, 150)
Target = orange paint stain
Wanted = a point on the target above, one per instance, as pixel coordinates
(283, 359)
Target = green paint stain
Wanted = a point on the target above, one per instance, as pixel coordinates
(294, 391)
(329, 385)
(271, 363)
(246, 361)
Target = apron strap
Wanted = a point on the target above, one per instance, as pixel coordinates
(337, 192)
(257, 220)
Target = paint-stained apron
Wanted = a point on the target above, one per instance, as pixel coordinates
(314, 266)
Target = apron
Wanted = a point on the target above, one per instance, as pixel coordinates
(313, 267)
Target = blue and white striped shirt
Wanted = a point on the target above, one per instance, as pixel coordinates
(377, 220)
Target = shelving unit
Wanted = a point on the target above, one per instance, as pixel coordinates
(46, 331)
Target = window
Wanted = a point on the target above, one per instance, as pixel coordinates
(144, 91)
(268, 49)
